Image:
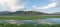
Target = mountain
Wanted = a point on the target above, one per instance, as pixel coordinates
(23, 13)
(56, 13)
(4, 12)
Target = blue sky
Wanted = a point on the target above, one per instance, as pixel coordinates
(47, 6)
(42, 3)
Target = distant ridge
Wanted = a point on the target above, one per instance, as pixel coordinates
(56, 13)
(22, 13)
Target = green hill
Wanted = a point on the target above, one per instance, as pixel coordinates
(24, 13)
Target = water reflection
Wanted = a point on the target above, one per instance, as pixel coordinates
(51, 21)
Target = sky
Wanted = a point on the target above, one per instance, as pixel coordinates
(47, 6)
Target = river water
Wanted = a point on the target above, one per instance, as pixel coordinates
(39, 21)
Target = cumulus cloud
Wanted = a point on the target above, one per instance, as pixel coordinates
(27, 10)
(34, 6)
(11, 5)
(51, 5)
(53, 1)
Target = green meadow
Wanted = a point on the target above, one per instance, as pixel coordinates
(28, 17)
(13, 25)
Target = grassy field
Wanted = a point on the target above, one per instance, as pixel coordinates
(13, 25)
(28, 17)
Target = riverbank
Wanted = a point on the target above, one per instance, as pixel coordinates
(28, 17)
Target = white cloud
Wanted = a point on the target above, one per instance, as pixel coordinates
(28, 10)
(52, 5)
(53, 1)
(11, 5)
(34, 6)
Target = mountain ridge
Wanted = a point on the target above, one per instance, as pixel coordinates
(22, 13)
